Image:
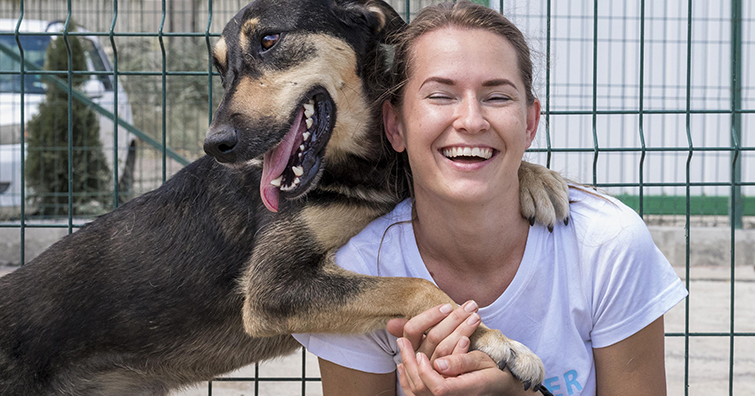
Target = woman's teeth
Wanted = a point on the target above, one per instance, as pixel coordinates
(479, 152)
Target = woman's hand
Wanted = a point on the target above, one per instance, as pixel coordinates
(439, 331)
(434, 350)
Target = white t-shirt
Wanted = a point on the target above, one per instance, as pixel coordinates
(587, 285)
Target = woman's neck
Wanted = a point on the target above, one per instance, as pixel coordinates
(466, 245)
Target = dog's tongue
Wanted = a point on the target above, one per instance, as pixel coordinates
(274, 162)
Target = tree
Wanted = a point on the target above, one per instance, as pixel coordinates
(47, 158)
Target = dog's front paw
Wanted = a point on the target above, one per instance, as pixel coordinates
(523, 363)
(543, 195)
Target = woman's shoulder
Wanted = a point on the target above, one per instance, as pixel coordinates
(600, 218)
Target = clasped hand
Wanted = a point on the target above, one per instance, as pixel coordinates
(436, 359)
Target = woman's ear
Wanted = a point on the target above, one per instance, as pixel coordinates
(393, 130)
(533, 119)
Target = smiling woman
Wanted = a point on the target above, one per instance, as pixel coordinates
(587, 296)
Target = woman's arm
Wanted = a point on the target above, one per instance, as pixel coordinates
(634, 366)
(338, 380)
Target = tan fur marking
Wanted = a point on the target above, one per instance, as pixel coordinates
(379, 14)
(334, 68)
(220, 52)
(334, 224)
(245, 33)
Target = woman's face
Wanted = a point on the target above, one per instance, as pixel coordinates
(464, 121)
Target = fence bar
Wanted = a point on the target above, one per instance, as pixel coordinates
(70, 118)
(735, 211)
(594, 113)
(115, 106)
(209, 61)
(23, 137)
(163, 105)
(737, 205)
(687, 192)
(641, 107)
(547, 86)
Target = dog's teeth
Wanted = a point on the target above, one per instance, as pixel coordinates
(298, 170)
(296, 181)
(300, 155)
(305, 135)
(277, 182)
(309, 122)
(311, 102)
(309, 109)
(301, 147)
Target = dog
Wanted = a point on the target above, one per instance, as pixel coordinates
(216, 268)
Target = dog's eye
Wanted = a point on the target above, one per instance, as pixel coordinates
(269, 40)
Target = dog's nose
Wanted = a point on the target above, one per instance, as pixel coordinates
(220, 143)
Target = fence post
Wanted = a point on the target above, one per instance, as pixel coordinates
(736, 206)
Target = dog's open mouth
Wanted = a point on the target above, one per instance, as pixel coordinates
(293, 165)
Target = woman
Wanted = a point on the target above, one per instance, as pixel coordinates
(588, 298)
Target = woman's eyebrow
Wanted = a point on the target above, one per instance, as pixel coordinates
(498, 82)
(441, 80)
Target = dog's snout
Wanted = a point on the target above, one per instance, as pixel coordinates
(221, 142)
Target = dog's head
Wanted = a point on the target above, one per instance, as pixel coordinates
(294, 74)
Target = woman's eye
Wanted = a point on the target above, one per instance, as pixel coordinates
(498, 98)
(269, 40)
(438, 96)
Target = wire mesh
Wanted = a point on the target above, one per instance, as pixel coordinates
(651, 101)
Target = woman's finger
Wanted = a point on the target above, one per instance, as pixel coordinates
(449, 342)
(414, 330)
(457, 364)
(396, 326)
(403, 380)
(462, 346)
(409, 360)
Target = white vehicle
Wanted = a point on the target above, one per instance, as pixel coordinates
(99, 89)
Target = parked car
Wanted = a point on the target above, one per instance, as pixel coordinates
(99, 88)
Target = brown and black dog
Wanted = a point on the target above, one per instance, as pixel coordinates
(215, 269)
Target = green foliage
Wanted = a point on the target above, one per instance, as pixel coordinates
(47, 158)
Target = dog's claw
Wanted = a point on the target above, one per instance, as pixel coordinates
(524, 365)
(543, 195)
(550, 228)
(542, 389)
(566, 221)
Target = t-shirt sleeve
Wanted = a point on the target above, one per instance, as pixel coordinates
(372, 352)
(633, 284)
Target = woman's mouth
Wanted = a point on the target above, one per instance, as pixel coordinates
(467, 154)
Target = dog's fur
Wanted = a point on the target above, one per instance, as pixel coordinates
(198, 278)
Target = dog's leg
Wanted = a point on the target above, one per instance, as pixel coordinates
(309, 293)
(543, 195)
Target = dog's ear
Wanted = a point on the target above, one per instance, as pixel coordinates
(390, 22)
(378, 16)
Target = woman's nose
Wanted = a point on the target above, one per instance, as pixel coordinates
(470, 117)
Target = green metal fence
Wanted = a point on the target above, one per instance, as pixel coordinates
(652, 101)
